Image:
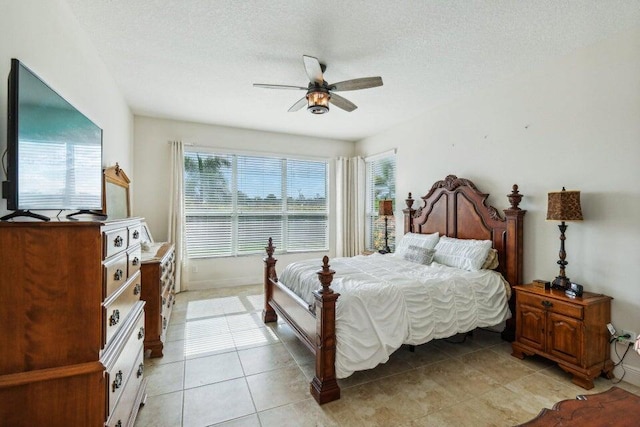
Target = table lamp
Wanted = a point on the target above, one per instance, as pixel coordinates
(386, 210)
(563, 206)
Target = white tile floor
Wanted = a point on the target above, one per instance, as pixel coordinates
(222, 366)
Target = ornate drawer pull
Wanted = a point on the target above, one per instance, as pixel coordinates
(141, 333)
(136, 234)
(170, 300)
(137, 288)
(115, 318)
(164, 323)
(118, 424)
(140, 370)
(164, 300)
(135, 261)
(117, 383)
(547, 304)
(118, 242)
(118, 275)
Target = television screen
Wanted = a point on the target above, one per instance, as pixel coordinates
(54, 151)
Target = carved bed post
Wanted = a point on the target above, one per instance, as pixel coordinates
(408, 215)
(515, 220)
(268, 313)
(324, 386)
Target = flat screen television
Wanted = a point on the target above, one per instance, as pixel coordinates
(54, 152)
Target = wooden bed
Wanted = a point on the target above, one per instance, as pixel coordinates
(453, 207)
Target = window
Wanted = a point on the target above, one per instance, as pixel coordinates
(381, 185)
(234, 203)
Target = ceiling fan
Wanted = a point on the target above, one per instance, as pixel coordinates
(320, 93)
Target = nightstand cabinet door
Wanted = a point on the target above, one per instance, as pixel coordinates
(565, 338)
(530, 325)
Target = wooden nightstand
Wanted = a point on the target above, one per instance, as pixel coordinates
(570, 331)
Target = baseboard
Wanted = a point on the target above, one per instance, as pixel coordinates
(631, 374)
(201, 285)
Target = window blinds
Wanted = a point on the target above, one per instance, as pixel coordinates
(234, 203)
(381, 185)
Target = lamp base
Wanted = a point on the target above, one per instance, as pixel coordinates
(561, 282)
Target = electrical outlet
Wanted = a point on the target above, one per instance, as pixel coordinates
(626, 337)
(611, 329)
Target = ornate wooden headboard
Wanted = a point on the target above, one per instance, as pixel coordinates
(455, 207)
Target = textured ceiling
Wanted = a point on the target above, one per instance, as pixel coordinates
(196, 60)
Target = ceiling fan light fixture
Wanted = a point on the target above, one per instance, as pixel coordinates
(318, 102)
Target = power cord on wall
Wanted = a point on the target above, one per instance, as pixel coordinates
(620, 359)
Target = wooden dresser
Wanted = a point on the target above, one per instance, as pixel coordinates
(72, 323)
(570, 331)
(158, 291)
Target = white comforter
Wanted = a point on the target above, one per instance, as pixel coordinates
(386, 301)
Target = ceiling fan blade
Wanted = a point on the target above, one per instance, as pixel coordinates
(355, 84)
(314, 71)
(269, 86)
(343, 103)
(298, 105)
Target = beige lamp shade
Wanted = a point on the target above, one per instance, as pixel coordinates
(564, 206)
(385, 208)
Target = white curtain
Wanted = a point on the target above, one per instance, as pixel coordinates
(176, 212)
(350, 206)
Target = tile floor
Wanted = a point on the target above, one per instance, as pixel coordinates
(223, 367)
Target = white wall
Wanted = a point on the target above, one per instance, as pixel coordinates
(46, 37)
(152, 186)
(574, 123)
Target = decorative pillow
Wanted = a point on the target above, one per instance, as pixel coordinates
(421, 240)
(419, 255)
(467, 254)
(491, 263)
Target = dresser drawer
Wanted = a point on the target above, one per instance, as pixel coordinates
(134, 256)
(114, 274)
(119, 305)
(125, 410)
(167, 302)
(128, 363)
(135, 235)
(551, 304)
(115, 241)
(167, 270)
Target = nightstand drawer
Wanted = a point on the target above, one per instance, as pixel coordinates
(552, 304)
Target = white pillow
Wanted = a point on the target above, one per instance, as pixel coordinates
(419, 255)
(467, 254)
(413, 239)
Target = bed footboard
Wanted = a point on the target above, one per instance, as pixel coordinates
(315, 326)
